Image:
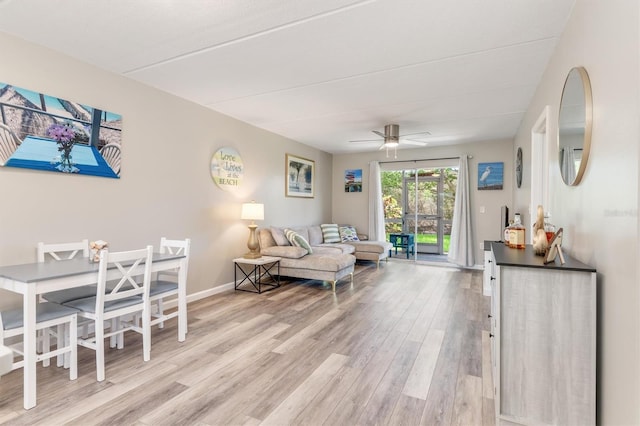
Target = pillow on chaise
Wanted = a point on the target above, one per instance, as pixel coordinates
(330, 233)
(348, 233)
(279, 237)
(297, 240)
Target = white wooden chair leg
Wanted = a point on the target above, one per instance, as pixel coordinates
(67, 341)
(146, 336)
(99, 351)
(120, 336)
(71, 340)
(113, 340)
(46, 345)
(60, 342)
(161, 313)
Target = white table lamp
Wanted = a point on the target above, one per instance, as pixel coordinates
(252, 211)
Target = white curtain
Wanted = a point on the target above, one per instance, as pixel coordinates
(568, 164)
(461, 248)
(376, 209)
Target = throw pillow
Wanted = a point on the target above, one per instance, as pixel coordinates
(330, 233)
(348, 233)
(297, 240)
(279, 237)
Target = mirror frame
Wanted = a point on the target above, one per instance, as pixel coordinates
(588, 122)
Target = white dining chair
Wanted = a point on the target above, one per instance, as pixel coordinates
(58, 252)
(126, 298)
(48, 315)
(9, 142)
(165, 284)
(111, 154)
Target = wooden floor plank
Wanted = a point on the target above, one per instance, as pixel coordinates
(467, 407)
(419, 379)
(308, 390)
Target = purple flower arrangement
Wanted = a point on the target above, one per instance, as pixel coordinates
(65, 136)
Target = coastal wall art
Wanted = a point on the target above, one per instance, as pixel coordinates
(300, 173)
(490, 175)
(353, 180)
(44, 132)
(227, 169)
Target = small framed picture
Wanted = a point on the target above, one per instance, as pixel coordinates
(353, 180)
(300, 174)
(555, 248)
(490, 176)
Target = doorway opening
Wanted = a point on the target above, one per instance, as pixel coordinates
(419, 202)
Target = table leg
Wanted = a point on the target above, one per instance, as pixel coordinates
(182, 302)
(29, 311)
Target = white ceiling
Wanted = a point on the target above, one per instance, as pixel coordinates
(319, 72)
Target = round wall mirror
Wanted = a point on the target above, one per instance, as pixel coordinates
(574, 126)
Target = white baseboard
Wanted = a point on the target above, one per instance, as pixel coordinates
(201, 294)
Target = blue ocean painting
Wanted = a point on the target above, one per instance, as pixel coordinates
(490, 175)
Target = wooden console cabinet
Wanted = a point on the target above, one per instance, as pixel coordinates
(543, 327)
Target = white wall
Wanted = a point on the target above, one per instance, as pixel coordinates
(165, 189)
(600, 216)
(352, 208)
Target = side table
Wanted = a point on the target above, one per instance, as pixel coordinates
(258, 269)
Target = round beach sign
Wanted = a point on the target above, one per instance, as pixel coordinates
(227, 169)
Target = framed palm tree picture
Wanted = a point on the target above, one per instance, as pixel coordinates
(300, 174)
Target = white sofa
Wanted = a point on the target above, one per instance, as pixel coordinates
(327, 262)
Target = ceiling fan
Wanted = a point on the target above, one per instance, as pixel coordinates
(391, 138)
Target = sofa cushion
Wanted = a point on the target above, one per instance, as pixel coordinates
(302, 230)
(348, 233)
(371, 246)
(315, 235)
(279, 237)
(265, 238)
(334, 248)
(330, 233)
(289, 252)
(297, 240)
(320, 262)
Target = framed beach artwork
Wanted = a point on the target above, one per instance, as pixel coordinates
(300, 175)
(353, 180)
(47, 133)
(490, 176)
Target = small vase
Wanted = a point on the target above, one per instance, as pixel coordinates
(66, 166)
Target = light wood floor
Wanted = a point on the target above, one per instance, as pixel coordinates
(405, 345)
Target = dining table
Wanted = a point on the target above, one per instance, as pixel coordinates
(33, 279)
(42, 154)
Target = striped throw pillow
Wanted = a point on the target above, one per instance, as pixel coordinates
(330, 233)
(298, 240)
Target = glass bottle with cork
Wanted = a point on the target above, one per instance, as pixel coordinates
(517, 233)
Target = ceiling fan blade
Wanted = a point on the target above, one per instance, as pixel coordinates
(414, 134)
(413, 142)
(379, 133)
(366, 140)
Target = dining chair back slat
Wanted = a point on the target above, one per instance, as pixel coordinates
(61, 251)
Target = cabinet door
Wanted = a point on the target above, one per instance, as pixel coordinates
(546, 334)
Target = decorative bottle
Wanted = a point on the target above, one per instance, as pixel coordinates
(517, 233)
(549, 229)
(506, 233)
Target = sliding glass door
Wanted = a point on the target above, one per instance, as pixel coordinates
(420, 202)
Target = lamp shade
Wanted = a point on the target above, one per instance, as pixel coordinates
(252, 211)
